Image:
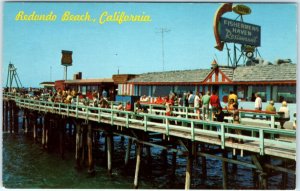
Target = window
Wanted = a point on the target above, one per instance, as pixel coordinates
(286, 93)
(241, 90)
(182, 89)
(144, 90)
(83, 90)
(261, 90)
(161, 90)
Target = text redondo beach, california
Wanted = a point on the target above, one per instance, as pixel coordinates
(118, 17)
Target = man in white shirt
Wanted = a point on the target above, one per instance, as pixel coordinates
(197, 101)
(258, 102)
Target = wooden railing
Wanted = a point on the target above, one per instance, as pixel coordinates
(195, 130)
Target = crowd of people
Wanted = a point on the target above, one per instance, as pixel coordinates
(201, 103)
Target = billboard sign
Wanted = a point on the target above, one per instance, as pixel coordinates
(239, 32)
(66, 59)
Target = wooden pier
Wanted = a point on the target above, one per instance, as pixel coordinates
(180, 135)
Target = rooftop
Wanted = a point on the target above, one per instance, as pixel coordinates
(259, 72)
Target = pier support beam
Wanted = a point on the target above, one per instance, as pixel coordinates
(137, 167)
(26, 120)
(203, 162)
(91, 169)
(61, 125)
(188, 172)
(174, 157)
(34, 121)
(224, 170)
(234, 166)
(16, 118)
(262, 175)
(127, 155)
(284, 175)
(45, 131)
(78, 149)
(5, 116)
(10, 108)
(109, 152)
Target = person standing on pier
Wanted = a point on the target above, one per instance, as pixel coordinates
(104, 94)
(233, 96)
(214, 102)
(191, 99)
(236, 120)
(197, 103)
(205, 105)
(258, 102)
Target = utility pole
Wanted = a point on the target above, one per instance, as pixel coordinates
(162, 31)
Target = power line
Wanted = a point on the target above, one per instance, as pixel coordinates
(162, 31)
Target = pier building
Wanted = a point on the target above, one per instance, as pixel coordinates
(276, 82)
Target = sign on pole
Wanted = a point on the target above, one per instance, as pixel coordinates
(239, 32)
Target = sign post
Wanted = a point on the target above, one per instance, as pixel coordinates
(66, 60)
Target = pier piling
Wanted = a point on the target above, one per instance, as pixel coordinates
(109, 152)
(203, 162)
(79, 147)
(127, 155)
(137, 167)
(188, 172)
(10, 108)
(91, 169)
(224, 170)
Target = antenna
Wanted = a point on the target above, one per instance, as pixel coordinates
(162, 31)
(116, 54)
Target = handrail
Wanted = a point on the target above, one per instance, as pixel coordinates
(190, 125)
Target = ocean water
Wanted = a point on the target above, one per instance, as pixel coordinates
(27, 165)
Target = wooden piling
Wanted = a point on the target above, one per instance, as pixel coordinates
(5, 113)
(203, 162)
(78, 145)
(262, 175)
(109, 153)
(188, 172)
(10, 108)
(224, 170)
(34, 121)
(262, 181)
(45, 131)
(174, 157)
(127, 155)
(234, 166)
(284, 175)
(16, 118)
(137, 167)
(61, 122)
(91, 169)
(26, 120)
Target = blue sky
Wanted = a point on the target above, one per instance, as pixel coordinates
(34, 47)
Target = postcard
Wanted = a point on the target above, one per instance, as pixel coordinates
(149, 95)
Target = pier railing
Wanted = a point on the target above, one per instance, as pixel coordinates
(261, 141)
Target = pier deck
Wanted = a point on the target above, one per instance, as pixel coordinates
(259, 141)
